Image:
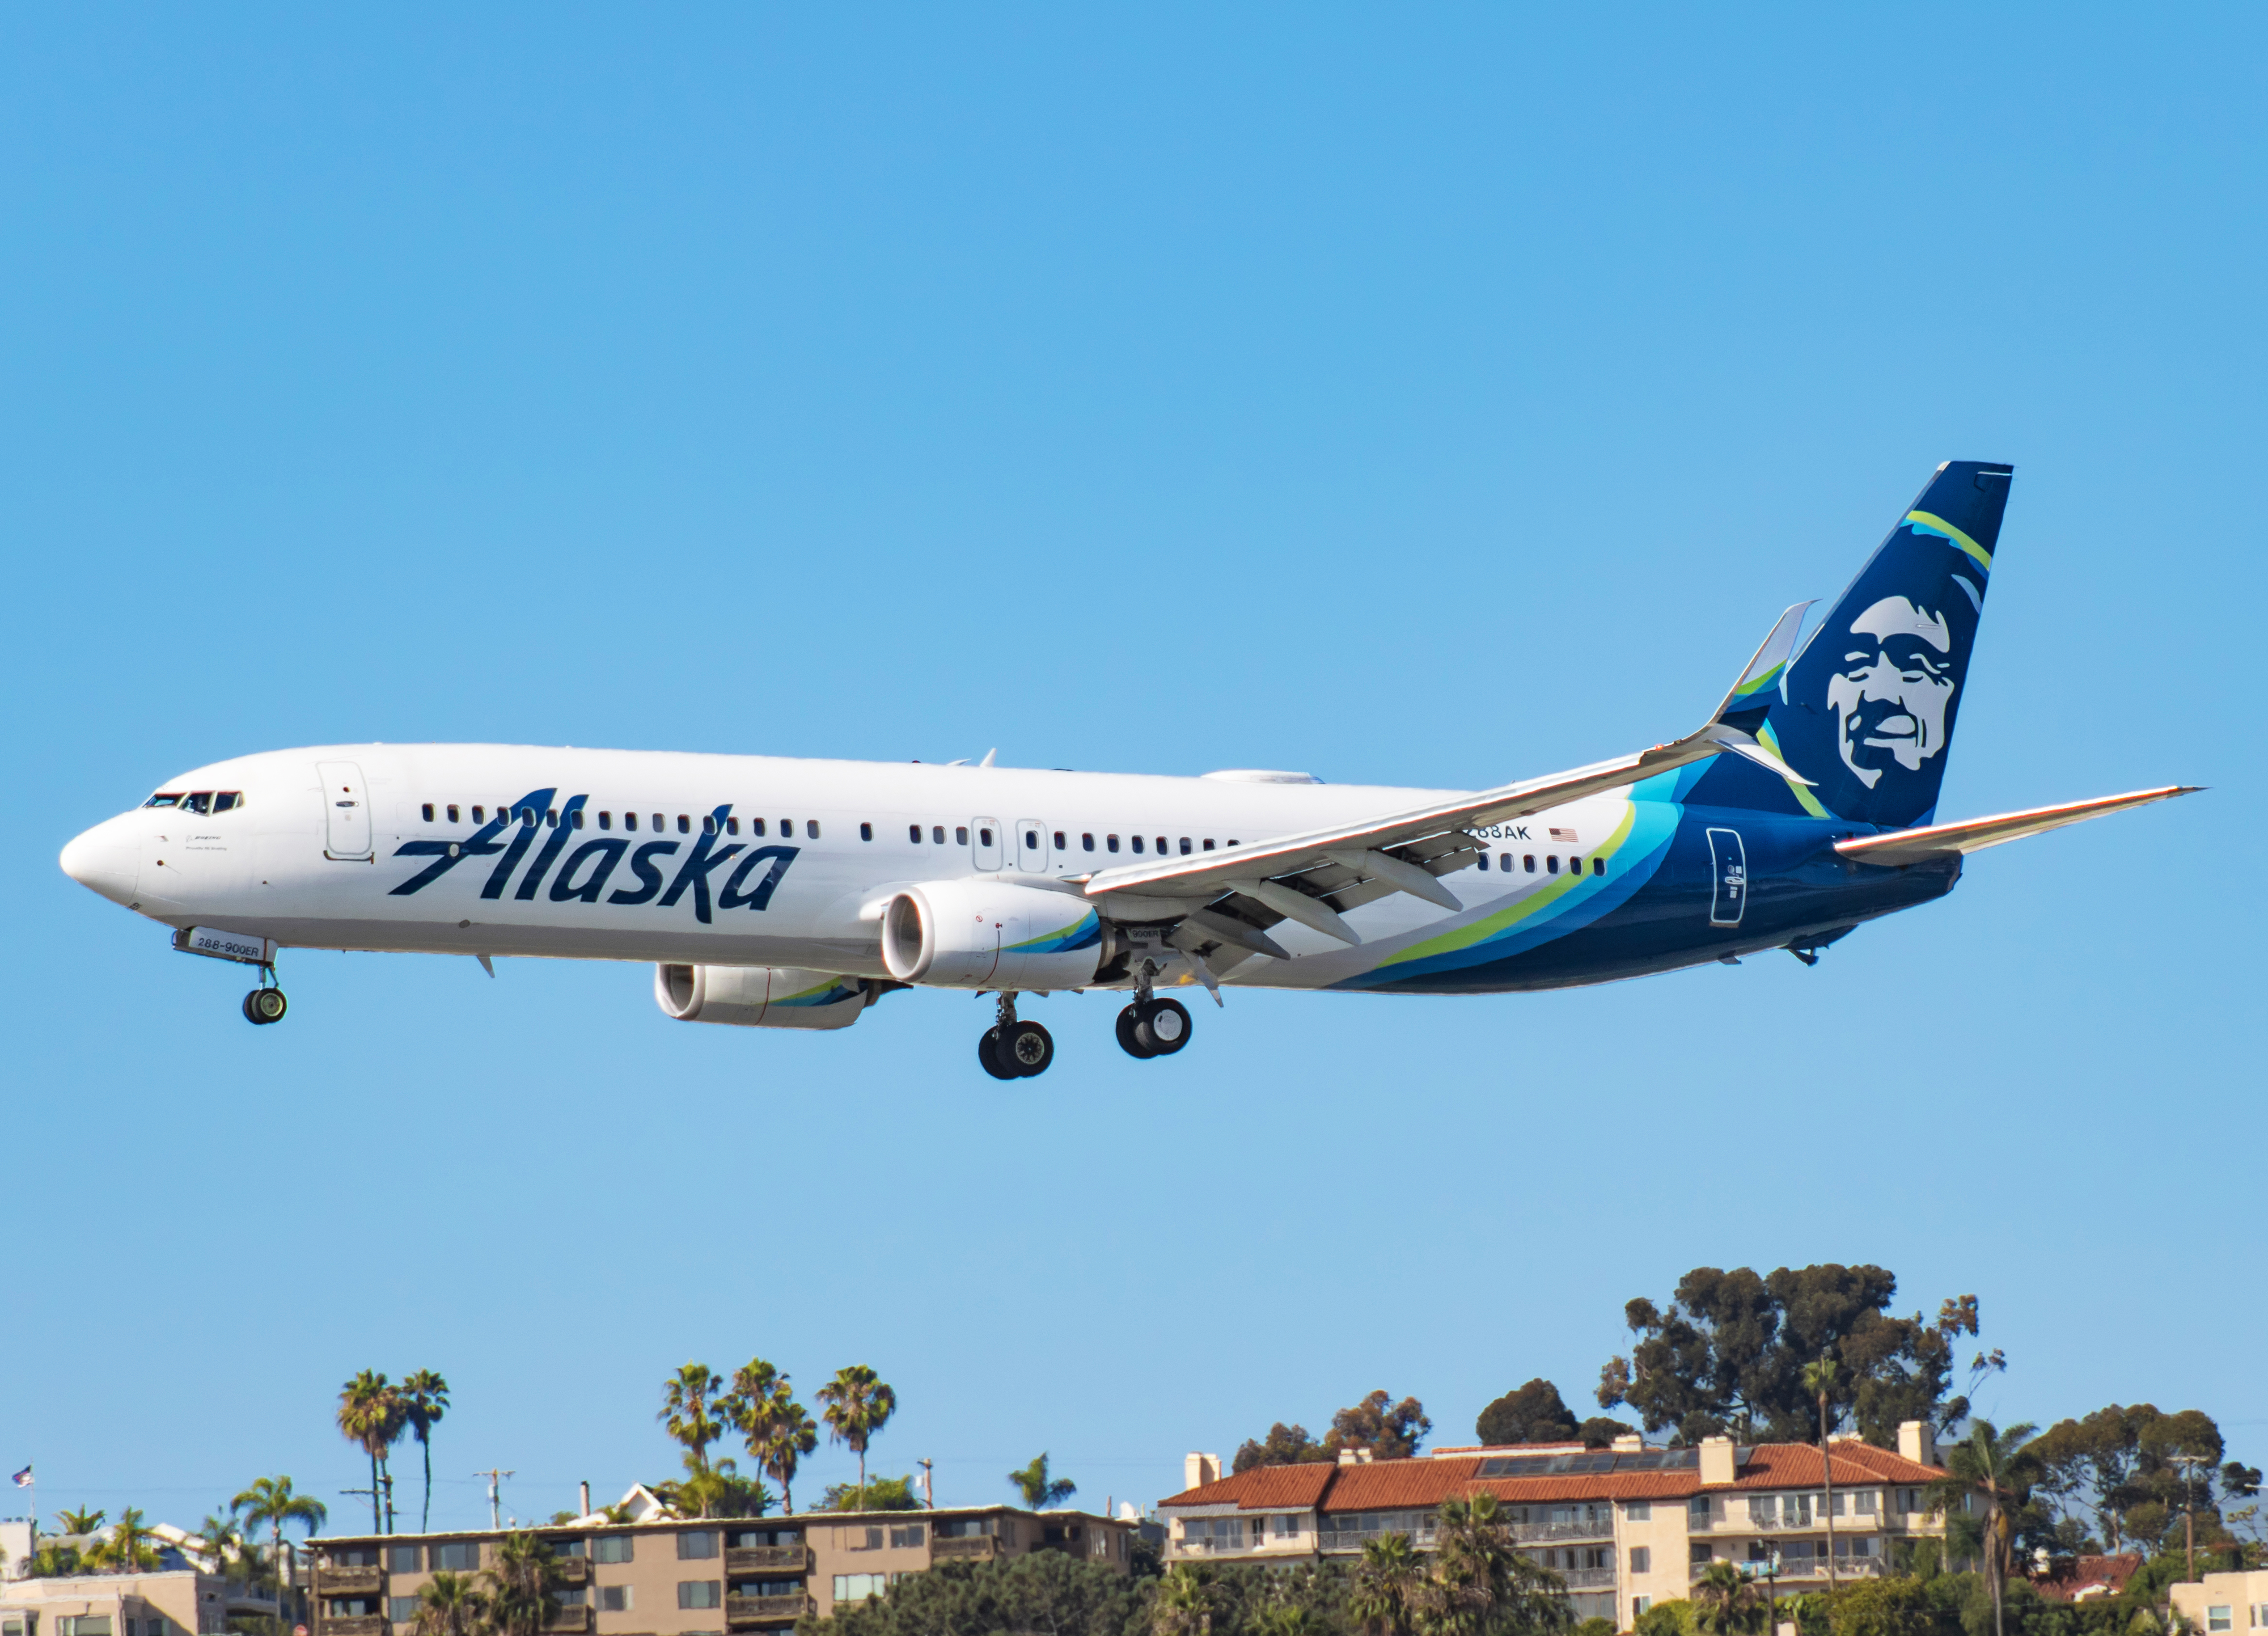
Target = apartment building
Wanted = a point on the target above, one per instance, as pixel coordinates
(176, 1600)
(2221, 1604)
(1625, 1527)
(669, 1576)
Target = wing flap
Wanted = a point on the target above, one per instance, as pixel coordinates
(1901, 847)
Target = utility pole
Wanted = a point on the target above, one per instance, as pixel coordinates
(495, 1515)
(929, 1491)
(2189, 1464)
(386, 1480)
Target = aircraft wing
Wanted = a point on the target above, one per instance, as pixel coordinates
(1945, 840)
(1310, 877)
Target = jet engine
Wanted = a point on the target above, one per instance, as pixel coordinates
(760, 997)
(990, 934)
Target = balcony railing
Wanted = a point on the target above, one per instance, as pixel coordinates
(355, 1624)
(1212, 1545)
(1809, 1568)
(335, 1581)
(741, 1611)
(574, 1570)
(1355, 1538)
(766, 1559)
(1603, 1528)
(968, 1548)
(1587, 1578)
(569, 1621)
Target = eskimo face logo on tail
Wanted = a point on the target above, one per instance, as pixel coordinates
(1891, 693)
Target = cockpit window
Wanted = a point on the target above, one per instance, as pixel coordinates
(173, 799)
(199, 803)
(228, 800)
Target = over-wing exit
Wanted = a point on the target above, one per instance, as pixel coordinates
(775, 893)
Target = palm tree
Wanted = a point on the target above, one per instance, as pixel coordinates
(425, 1400)
(127, 1548)
(685, 1413)
(369, 1418)
(1386, 1585)
(1038, 1491)
(1992, 1468)
(1819, 1380)
(270, 1500)
(526, 1580)
(218, 1540)
(1184, 1604)
(1727, 1602)
(450, 1606)
(1481, 1582)
(790, 1433)
(859, 1406)
(81, 1521)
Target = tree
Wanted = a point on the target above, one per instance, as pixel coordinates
(220, 1543)
(1884, 1607)
(1727, 1355)
(789, 1436)
(127, 1549)
(1046, 1592)
(1387, 1429)
(1481, 1585)
(1819, 1380)
(717, 1491)
(1987, 1472)
(778, 1431)
(1284, 1445)
(1184, 1603)
(2120, 1471)
(686, 1415)
(1039, 1492)
(1727, 1602)
(1534, 1413)
(1386, 1583)
(450, 1606)
(424, 1399)
(525, 1584)
(81, 1521)
(858, 1406)
(270, 1501)
(884, 1494)
(369, 1418)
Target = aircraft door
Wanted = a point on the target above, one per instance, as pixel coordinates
(346, 810)
(986, 839)
(1728, 875)
(1031, 845)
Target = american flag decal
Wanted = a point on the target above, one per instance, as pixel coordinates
(1567, 836)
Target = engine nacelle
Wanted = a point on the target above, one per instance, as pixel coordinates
(760, 997)
(990, 934)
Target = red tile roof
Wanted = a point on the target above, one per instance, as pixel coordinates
(2088, 1577)
(1428, 1480)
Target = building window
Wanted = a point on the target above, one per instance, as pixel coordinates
(1641, 1559)
(696, 1545)
(912, 1534)
(964, 1527)
(614, 1598)
(576, 1598)
(616, 1548)
(1696, 1509)
(400, 1610)
(700, 1593)
(404, 1559)
(1286, 1526)
(859, 1586)
(1640, 1511)
(1639, 1605)
(2217, 1618)
(1864, 1502)
(83, 1624)
(1697, 1553)
(460, 1556)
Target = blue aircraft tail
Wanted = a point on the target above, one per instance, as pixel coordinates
(1866, 710)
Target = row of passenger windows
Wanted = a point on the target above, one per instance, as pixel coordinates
(199, 801)
(659, 822)
(1110, 842)
(1527, 862)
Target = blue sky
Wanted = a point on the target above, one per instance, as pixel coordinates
(1438, 398)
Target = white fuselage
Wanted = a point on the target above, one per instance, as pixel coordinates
(316, 858)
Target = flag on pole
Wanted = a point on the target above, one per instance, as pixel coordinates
(23, 1478)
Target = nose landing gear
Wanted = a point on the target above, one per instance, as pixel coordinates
(1010, 1049)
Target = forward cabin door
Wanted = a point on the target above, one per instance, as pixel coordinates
(346, 810)
(1031, 846)
(1729, 870)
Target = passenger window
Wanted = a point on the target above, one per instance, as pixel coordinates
(1598, 866)
(477, 817)
(605, 820)
(657, 825)
(575, 819)
(984, 837)
(913, 833)
(1505, 863)
(937, 835)
(1551, 863)
(1111, 842)
(865, 832)
(426, 812)
(1232, 840)
(1527, 862)
(731, 826)
(455, 818)
(1481, 863)
(1185, 844)
(684, 824)
(1059, 842)
(787, 829)
(811, 829)
(1137, 843)
(1161, 846)
(1087, 844)
(1031, 840)
(707, 823)
(630, 820)
(528, 817)
(756, 825)
(551, 817)
(960, 835)
(1208, 845)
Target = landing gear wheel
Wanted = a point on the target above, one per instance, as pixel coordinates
(1163, 1025)
(987, 1046)
(1026, 1048)
(1129, 1040)
(264, 1006)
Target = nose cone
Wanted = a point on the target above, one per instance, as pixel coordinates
(105, 860)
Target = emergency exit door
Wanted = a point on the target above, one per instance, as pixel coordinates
(1031, 846)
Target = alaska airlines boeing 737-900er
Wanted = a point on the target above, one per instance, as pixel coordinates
(772, 893)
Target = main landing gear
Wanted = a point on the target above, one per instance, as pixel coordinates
(265, 1004)
(1010, 1050)
(1151, 1027)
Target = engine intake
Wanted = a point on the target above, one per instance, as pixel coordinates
(990, 934)
(760, 997)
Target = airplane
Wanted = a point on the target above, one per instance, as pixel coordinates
(777, 893)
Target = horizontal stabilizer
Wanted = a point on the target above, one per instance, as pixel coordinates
(1901, 847)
